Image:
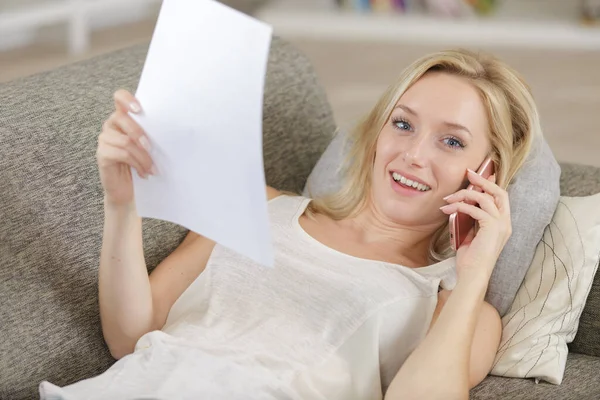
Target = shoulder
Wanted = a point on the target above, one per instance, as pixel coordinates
(272, 193)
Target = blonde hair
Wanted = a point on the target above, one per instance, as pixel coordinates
(513, 123)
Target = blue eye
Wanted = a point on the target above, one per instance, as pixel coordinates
(454, 143)
(402, 124)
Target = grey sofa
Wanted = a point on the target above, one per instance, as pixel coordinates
(51, 218)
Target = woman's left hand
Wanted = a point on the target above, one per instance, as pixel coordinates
(479, 252)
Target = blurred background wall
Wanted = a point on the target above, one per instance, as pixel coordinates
(358, 47)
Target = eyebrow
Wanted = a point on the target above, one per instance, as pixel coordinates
(452, 125)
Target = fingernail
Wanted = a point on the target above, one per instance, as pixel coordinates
(447, 197)
(153, 170)
(446, 206)
(145, 143)
(135, 107)
(470, 170)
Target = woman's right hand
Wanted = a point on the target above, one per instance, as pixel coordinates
(122, 145)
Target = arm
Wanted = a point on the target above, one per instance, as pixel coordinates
(131, 302)
(445, 351)
(488, 333)
(123, 286)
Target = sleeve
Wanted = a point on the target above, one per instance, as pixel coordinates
(450, 277)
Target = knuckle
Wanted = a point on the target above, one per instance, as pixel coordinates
(117, 96)
(134, 128)
(129, 127)
(108, 123)
(114, 122)
(120, 94)
(123, 154)
(126, 141)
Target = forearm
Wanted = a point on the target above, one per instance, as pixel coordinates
(124, 287)
(439, 367)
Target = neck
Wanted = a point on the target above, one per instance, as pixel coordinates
(407, 244)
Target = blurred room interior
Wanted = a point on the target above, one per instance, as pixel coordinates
(358, 47)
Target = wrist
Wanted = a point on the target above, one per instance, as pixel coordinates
(481, 270)
(477, 280)
(119, 208)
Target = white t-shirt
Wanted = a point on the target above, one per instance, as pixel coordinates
(321, 324)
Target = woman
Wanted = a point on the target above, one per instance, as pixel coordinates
(352, 309)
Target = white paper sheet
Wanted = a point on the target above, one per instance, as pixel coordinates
(201, 92)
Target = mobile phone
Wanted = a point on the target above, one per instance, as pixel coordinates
(460, 223)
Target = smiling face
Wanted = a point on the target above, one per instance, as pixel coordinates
(437, 130)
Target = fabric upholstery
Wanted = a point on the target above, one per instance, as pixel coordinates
(581, 381)
(545, 314)
(578, 180)
(51, 203)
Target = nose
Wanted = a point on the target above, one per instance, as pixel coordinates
(416, 151)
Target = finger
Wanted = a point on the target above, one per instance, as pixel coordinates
(117, 139)
(120, 124)
(485, 201)
(477, 213)
(126, 102)
(141, 158)
(125, 124)
(499, 194)
(118, 155)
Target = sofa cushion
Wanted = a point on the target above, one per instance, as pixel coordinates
(51, 203)
(545, 314)
(578, 180)
(581, 381)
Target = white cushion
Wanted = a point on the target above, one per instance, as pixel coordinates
(545, 313)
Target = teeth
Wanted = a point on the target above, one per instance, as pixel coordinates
(419, 186)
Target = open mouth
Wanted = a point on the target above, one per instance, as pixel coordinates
(408, 183)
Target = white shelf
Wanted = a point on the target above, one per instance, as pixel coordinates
(342, 25)
(78, 14)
